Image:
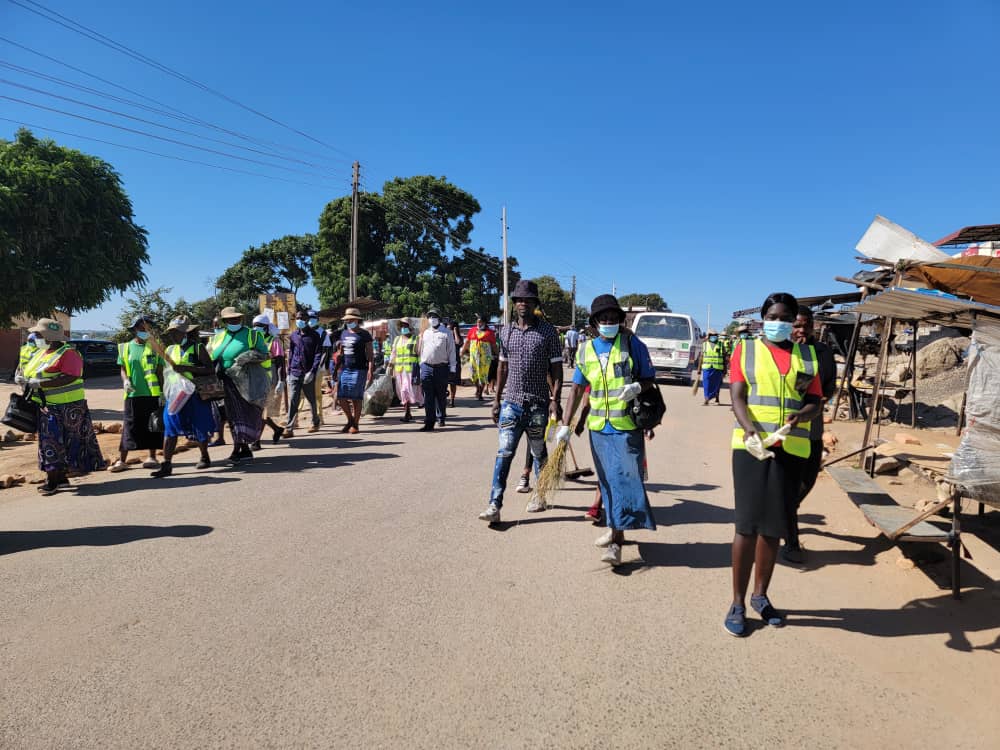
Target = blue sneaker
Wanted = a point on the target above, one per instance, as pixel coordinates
(736, 621)
(762, 606)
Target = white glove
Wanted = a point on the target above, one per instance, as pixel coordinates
(562, 434)
(19, 379)
(310, 377)
(779, 434)
(756, 448)
(279, 387)
(631, 391)
(35, 382)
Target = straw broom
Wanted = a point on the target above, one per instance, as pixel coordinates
(553, 475)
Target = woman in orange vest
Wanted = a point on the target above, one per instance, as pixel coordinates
(773, 387)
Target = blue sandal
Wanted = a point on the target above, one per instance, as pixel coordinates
(736, 621)
(762, 606)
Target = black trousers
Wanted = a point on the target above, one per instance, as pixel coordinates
(810, 473)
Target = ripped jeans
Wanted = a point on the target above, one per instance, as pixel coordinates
(514, 421)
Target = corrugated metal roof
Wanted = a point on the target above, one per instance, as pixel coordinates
(906, 304)
(969, 235)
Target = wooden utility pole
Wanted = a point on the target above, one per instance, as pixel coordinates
(573, 314)
(353, 293)
(506, 290)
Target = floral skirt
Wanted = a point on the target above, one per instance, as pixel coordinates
(66, 439)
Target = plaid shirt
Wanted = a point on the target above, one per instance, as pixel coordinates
(528, 355)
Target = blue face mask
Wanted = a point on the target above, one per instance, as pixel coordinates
(314, 322)
(777, 330)
(141, 335)
(404, 331)
(713, 339)
(608, 331)
(234, 327)
(352, 325)
(300, 324)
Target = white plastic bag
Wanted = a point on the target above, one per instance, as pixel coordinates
(378, 396)
(177, 389)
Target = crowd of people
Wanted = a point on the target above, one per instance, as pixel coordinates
(240, 375)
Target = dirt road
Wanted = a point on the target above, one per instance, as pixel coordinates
(342, 593)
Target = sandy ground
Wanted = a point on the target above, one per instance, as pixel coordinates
(342, 593)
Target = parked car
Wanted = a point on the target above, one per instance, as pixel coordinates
(674, 342)
(99, 357)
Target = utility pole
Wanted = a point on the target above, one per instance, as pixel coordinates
(353, 293)
(573, 314)
(506, 290)
(708, 325)
(614, 290)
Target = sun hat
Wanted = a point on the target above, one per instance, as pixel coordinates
(525, 289)
(712, 332)
(262, 319)
(603, 303)
(230, 312)
(144, 319)
(181, 324)
(351, 313)
(433, 313)
(48, 329)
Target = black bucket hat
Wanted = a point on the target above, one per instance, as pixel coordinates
(525, 290)
(602, 303)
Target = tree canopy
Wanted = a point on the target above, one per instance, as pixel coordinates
(556, 302)
(651, 300)
(68, 238)
(413, 251)
(281, 265)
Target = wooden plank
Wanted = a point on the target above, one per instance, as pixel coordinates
(860, 488)
(893, 520)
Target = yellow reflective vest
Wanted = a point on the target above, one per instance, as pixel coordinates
(404, 352)
(712, 356)
(771, 396)
(148, 367)
(606, 384)
(24, 356)
(36, 367)
(181, 356)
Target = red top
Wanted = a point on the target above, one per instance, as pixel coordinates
(476, 335)
(782, 358)
(69, 363)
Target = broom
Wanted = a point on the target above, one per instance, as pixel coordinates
(554, 475)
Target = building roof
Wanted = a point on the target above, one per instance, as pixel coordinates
(934, 307)
(970, 235)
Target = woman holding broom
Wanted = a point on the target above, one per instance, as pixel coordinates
(617, 367)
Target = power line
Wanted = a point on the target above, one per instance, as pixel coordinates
(79, 28)
(154, 135)
(46, 129)
(159, 125)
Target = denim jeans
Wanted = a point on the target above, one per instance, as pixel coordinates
(516, 420)
(434, 380)
(297, 388)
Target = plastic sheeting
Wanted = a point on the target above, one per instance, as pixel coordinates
(378, 396)
(975, 465)
(250, 378)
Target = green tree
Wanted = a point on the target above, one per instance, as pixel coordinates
(68, 239)
(556, 302)
(282, 265)
(331, 263)
(652, 300)
(152, 303)
(730, 329)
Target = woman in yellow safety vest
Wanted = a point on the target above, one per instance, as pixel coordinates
(66, 438)
(713, 366)
(142, 378)
(194, 421)
(404, 364)
(774, 387)
(617, 367)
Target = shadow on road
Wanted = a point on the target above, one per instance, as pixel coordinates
(691, 512)
(142, 481)
(699, 487)
(977, 611)
(92, 536)
(301, 461)
(688, 555)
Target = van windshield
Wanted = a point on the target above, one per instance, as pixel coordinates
(663, 327)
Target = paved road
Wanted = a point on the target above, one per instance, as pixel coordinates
(342, 593)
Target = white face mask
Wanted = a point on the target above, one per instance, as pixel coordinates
(435, 322)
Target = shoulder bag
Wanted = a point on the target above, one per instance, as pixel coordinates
(23, 413)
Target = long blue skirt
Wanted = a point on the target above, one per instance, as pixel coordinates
(195, 421)
(711, 381)
(618, 460)
(351, 384)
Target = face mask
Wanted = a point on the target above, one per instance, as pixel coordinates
(141, 335)
(352, 325)
(435, 322)
(404, 331)
(219, 330)
(314, 322)
(777, 330)
(33, 342)
(713, 339)
(744, 335)
(260, 328)
(300, 324)
(234, 327)
(608, 331)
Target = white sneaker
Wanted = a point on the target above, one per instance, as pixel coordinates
(537, 505)
(613, 554)
(150, 463)
(117, 466)
(491, 514)
(604, 539)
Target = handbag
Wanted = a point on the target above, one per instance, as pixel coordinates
(208, 387)
(648, 408)
(22, 413)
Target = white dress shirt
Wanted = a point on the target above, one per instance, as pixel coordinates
(437, 347)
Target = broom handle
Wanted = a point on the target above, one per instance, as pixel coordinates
(576, 466)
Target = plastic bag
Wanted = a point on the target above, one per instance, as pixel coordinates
(177, 389)
(378, 396)
(250, 378)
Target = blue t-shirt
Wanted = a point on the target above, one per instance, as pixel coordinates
(642, 365)
(353, 347)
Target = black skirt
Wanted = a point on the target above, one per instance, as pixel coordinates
(764, 489)
(135, 424)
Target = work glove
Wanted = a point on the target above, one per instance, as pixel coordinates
(19, 379)
(34, 382)
(309, 377)
(563, 433)
(279, 387)
(631, 391)
(129, 388)
(755, 447)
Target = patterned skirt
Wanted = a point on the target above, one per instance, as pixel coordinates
(246, 421)
(67, 441)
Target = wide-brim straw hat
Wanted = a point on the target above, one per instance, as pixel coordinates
(230, 312)
(181, 324)
(48, 329)
(712, 332)
(351, 313)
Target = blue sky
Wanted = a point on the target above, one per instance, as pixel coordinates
(709, 152)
